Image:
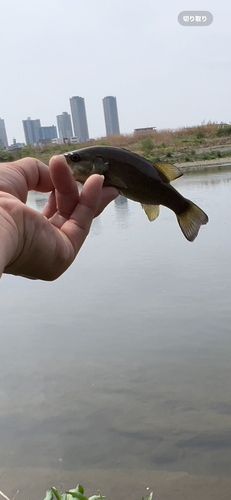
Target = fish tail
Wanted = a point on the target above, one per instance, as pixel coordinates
(190, 220)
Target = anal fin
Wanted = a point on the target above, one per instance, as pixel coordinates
(152, 211)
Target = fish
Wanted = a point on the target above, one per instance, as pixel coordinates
(140, 180)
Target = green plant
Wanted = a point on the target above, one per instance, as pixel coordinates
(4, 156)
(224, 130)
(149, 497)
(102, 143)
(153, 158)
(77, 492)
(147, 145)
(28, 150)
(199, 134)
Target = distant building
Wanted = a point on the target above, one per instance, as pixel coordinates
(64, 126)
(57, 141)
(223, 125)
(144, 130)
(74, 140)
(111, 115)
(47, 134)
(16, 145)
(79, 118)
(31, 130)
(3, 136)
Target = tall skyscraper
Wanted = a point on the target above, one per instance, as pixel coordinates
(79, 118)
(31, 130)
(111, 115)
(64, 126)
(3, 136)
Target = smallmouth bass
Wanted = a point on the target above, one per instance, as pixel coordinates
(138, 179)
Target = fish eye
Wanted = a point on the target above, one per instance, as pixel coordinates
(75, 157)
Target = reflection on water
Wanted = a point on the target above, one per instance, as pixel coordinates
(122, 212)
(124, 362)
(37, 200)
(220, 175)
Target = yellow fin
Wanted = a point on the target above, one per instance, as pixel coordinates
(152, 211)
(191, 220)
(168, 172)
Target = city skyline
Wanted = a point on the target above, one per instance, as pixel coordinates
(35, 133)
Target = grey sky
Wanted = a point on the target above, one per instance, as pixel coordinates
(163, 74)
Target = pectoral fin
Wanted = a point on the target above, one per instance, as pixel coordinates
(168, 172)
(117, 182)
(152, 211)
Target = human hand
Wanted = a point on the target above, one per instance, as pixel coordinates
(43, 245)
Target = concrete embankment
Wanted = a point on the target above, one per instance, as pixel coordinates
(204, 164)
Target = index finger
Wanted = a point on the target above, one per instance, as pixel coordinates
(67, 194)
(78, 226)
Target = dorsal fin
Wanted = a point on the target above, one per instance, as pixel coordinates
(168, 172)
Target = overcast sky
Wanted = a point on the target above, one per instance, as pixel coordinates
(162, 74)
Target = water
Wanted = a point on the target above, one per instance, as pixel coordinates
(119, 373)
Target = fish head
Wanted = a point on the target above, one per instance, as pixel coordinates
(83, 164)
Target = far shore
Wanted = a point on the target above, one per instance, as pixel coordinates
(190, 148)
(204, 164)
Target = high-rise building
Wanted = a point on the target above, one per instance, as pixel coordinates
(3, 136)
(31, 130)
(79, 118)
(64, 126)
(111, 115)
(47, 134)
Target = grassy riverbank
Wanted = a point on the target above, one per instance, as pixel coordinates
(186, 145)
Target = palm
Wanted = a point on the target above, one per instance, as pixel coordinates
(44, 245)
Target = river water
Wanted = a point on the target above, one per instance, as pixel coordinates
(118, 375)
